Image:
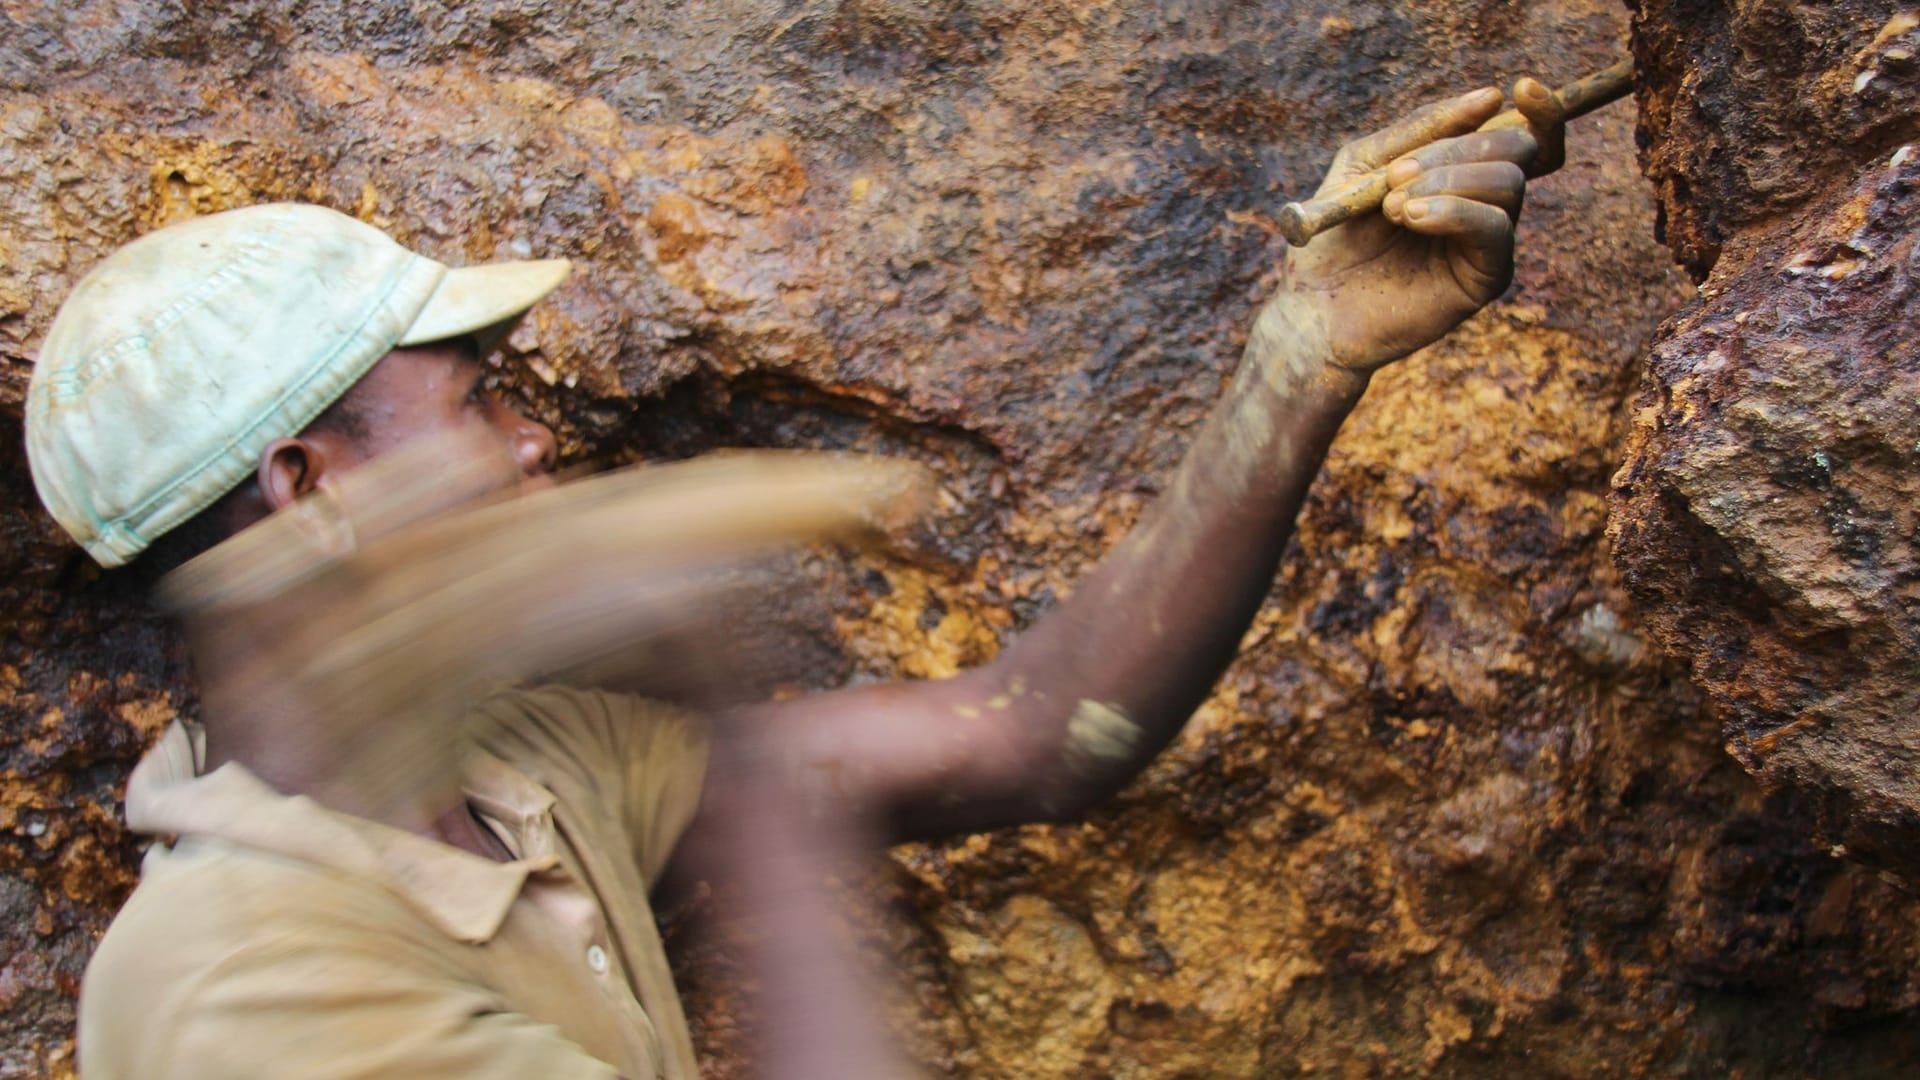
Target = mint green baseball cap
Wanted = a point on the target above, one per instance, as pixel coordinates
(177, 360)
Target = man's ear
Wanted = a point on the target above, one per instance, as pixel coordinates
(289, 469)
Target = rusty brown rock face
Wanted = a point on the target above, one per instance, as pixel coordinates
(1765, 517)
(1752, 112)
(1448, 815)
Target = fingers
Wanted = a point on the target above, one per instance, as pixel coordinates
(1485, 233)
(1439, 120)
(1480, 224)
(1497, 183)
(1514, 144)
(1546, 118)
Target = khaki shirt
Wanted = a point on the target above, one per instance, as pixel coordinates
(276, 938)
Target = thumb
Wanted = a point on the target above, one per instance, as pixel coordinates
(1546, 117)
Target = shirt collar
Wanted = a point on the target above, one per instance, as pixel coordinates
(463, 894)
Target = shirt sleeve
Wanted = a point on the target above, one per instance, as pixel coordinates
(644, 761)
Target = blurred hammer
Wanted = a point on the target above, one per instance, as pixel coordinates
(1300, 222)
(422, 582)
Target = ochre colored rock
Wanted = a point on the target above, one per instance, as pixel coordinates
(1448, 815)
(1766, 517)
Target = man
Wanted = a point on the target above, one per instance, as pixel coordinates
(220, 371)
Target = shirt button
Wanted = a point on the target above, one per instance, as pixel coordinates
(597, 959)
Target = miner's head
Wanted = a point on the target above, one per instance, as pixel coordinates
(215, 371)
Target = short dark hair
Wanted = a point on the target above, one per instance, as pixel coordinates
(346, 416)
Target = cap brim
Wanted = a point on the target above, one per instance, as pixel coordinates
(474, 298)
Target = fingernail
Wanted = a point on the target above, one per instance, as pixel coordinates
(1416, 208)
(1402, 172)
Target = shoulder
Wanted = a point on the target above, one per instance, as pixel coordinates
(209, 925)
(208, 889)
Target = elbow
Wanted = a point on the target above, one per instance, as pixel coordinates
(1021, 776)
(1086, 762)
(1101, 751)
(1080, 756)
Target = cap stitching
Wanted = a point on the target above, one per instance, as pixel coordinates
(320, 368)
(77, 377)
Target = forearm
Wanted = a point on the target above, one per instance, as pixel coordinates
(1091, 692)
(819, 1016)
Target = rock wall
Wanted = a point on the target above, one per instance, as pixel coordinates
(1449, 815)
(1766, 513)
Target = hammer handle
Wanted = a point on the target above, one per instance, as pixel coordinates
(1300, 222)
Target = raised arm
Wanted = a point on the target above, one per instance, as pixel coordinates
(1088, 695)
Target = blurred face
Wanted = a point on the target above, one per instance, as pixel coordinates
(435, 389)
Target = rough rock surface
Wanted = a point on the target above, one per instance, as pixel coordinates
(1766, 513)
(1448, 816)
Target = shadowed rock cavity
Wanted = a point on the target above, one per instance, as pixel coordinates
(1449, 815)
